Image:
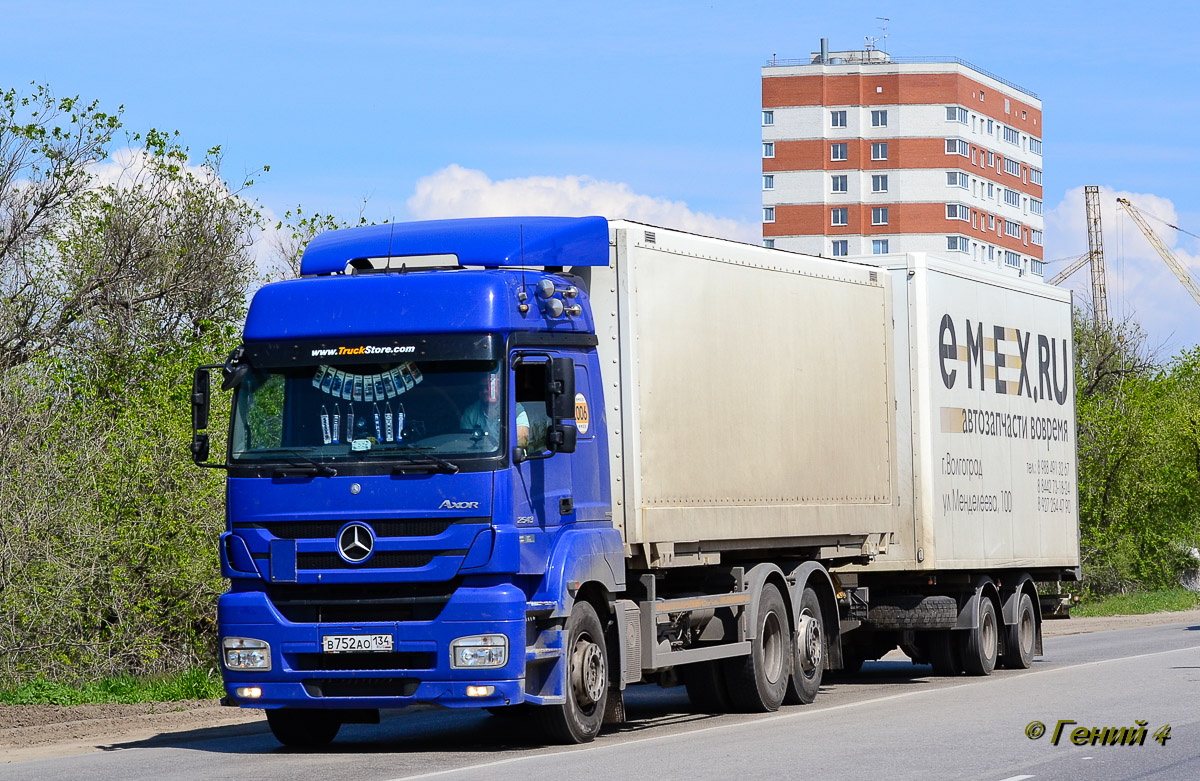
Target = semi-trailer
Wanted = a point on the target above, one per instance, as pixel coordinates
(530, 462)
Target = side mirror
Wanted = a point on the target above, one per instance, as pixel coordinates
(561, 438)
(200, 400)
(560, 389)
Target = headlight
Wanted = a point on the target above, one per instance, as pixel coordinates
(479, 651)
(245, 653)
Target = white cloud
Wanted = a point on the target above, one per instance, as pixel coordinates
(1139, 283)
(455, 191)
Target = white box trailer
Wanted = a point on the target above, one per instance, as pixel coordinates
(906, 426)
(919, 410)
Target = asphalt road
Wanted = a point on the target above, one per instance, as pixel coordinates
(893, 721)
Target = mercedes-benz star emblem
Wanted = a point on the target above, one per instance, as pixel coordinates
(355, 542)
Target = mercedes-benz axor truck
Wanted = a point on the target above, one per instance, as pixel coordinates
(490, 463)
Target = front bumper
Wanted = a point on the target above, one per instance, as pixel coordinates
(417, 671)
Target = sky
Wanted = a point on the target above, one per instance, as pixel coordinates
(413, 110)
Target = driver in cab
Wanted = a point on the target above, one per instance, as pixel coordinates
(483, 415)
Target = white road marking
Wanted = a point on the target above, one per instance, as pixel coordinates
(777, 717)
(1016, 778)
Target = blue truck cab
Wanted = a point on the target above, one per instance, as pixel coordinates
(417, 489)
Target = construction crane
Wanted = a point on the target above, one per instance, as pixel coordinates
(1172, 262)
(1076, 264)
(1091, 195)
(1094, 255)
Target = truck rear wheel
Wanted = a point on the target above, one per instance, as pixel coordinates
(942, 647)
(301, 727)
(808, 652)
(1019, 638)
(706, 687)
(980, 645)
(757, 682)
(578, 720)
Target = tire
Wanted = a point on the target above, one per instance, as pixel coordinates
(943, 653)
(810, 649)
(1020, 637)
(914, 612)
(758, 681)
(852, 661)
(578, 720)
(303, 727)
(706, 687)
(980, 645)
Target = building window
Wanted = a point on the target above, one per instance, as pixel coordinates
(768, 118)
(958, 179)
(879, 183)
(1012, 197)
(837, 152)
(879, 150)
(840, 183)
(991, 127)
(768, 148)
(991, 190)
(1023, 115)
(1012, 229)
(991, 159)
(991, 222)
(1035, 236)
(768, 214)
(1012, 136)
(980, 96)
(958, 244)
(1012, 259)
(768, 242)
(956, 146)
(1007, 106)
(991, 252)
(841, 248)
(1035, 267)
(768, 181)
(1035, 145)
(837, 118)
(1012, 167)
(839, 216)
(879, 215)
(1035, 206)
(956, 114)
(879, 247)
(1035, 175)
(958, 211)
(879, 119)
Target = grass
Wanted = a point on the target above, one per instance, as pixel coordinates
(195, 684)
(1138, 604)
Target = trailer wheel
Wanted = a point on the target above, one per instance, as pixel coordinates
(757, 682)
(943, 653)
(1019, 638)
(303, 727)
(706, 687)
(808, 652)
(980, 645)
(578, 720)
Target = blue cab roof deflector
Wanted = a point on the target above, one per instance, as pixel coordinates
(479, 241)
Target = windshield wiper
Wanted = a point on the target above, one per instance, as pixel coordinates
(425, 462)
(311, 468)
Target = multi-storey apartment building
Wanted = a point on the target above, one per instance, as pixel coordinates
(864, 153)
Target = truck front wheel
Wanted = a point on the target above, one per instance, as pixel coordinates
(303, 727)
(758, 682)
(578, 720)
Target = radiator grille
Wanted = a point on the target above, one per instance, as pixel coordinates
(361, 661)
(361, 687)
(327, 530)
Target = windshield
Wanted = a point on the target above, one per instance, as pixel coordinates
(365, 412)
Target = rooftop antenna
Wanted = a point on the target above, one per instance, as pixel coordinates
(870, 46)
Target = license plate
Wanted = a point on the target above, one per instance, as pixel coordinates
(336, 644)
